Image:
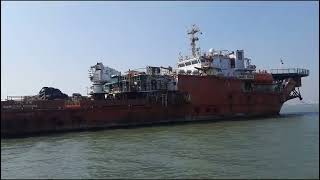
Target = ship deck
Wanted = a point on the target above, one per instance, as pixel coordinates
(280, 74)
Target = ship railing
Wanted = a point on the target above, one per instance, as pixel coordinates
(19, 106)
(18, 98)
(299, 71)
(144, 70)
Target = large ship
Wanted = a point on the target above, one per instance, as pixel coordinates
(211, 85)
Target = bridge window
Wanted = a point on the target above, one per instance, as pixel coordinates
(195, 62)
(232, 63)
(202, 60)
(181, 65)
(188, 63)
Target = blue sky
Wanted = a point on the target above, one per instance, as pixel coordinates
(54, 43)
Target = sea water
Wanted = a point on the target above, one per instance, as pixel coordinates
(281, 147)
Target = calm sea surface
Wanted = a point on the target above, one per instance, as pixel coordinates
(284, 147)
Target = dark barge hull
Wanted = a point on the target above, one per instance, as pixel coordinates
(48, 121)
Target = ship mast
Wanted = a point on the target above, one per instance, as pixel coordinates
(193, 37)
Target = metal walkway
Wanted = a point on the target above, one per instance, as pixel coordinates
(289, 73)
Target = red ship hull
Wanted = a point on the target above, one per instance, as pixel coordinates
(221, 96)
(211, 98)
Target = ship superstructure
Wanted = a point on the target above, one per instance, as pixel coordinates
(108, 82)
(213, 62)
(212, 85)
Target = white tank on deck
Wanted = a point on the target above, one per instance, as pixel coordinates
(211, 51)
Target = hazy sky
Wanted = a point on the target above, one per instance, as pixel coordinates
(54, 43)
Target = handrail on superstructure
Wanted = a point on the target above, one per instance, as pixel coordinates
(298, 71)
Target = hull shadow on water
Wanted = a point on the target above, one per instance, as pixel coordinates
(175, 123)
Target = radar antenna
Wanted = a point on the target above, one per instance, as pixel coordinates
(193, 37)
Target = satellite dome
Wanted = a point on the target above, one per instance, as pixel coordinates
(211, 50)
